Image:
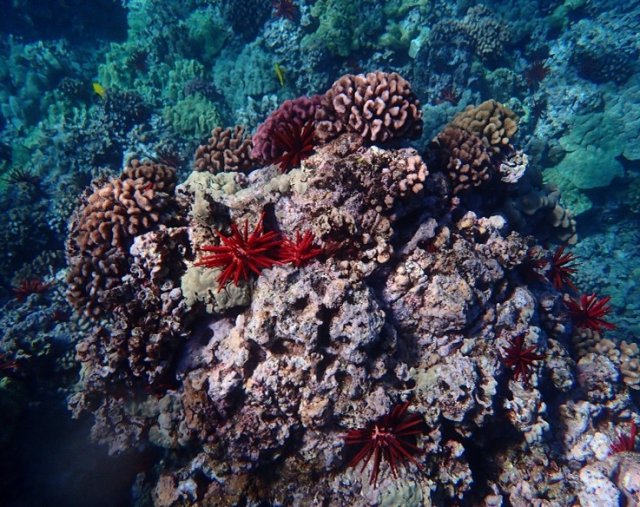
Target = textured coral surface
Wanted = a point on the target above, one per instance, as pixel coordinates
(410, 294)
(319, 252)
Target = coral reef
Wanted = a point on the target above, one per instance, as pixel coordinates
(487, 34)
(601, 57)
(344, 27)
(362, 292)
(397, 292)
(475, 153)
(246, 17)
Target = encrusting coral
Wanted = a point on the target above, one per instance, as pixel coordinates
(371, 305)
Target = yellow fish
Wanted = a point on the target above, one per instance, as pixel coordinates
(99, 90)
(279, 73)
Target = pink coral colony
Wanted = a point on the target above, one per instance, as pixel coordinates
(391, 438)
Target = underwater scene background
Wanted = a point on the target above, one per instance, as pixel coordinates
(330, 252)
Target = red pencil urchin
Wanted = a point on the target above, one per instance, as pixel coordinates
(589, 311)
(520, 358)
(536, 72)
(533, 264)
(285, 9)
(8, 366)
(391, 438)
(28, 287)
(301, 250)
(562, 268)
(295, 142)
(242, 253)
(625, 443)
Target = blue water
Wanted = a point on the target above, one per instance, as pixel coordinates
(86, 87)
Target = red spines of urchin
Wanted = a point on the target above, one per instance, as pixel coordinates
(295, 143)
(536, 72)
(241, 253)
(562, 268)
(28, 287)
(625, 443)
(285, 9)
(8, 366)
(300, 251)
(589, 311)
(390, 439)
(520, 359)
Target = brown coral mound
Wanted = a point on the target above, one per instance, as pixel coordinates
(487, 33)
(406, 175)
(119, 209)
(537, 202)
(226, 150)
(90, 278)
(103, 227)
(130, 356)
(492, 122)
(468, 163)
(161, 176)
(379, 106)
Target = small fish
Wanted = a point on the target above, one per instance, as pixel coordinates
(279, 73)
(99, 90)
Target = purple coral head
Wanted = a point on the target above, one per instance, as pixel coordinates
(295, 112)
